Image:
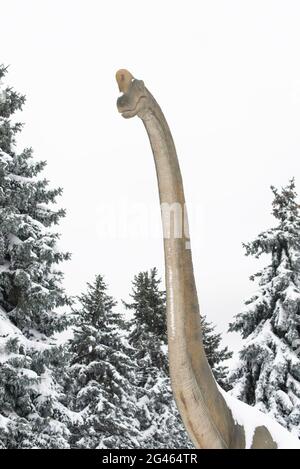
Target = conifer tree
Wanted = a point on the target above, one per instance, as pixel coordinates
(215, 353)
(268, 373)
(160, 424)
(31, 414)
(101, 375)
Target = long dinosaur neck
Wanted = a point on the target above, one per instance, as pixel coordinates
(206, 415)
(202, 407)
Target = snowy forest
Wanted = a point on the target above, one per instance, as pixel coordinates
(77, 373)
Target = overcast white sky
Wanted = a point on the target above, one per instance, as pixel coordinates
(227, 76)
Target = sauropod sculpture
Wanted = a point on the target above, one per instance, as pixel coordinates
(212, 418)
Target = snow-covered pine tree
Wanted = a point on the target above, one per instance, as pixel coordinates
(31, 414)
(268, 372)
(101, 374)
(215, 353)
(160, 424)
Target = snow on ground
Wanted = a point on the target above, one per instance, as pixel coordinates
(251, 418)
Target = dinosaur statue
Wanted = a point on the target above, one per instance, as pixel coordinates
(213, 419)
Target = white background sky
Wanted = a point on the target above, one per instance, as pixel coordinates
(227, 76)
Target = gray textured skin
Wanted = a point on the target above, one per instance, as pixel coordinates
(205, 414)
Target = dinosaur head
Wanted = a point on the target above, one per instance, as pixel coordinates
(134, 97)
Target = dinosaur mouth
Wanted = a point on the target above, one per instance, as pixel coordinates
(127, 113)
